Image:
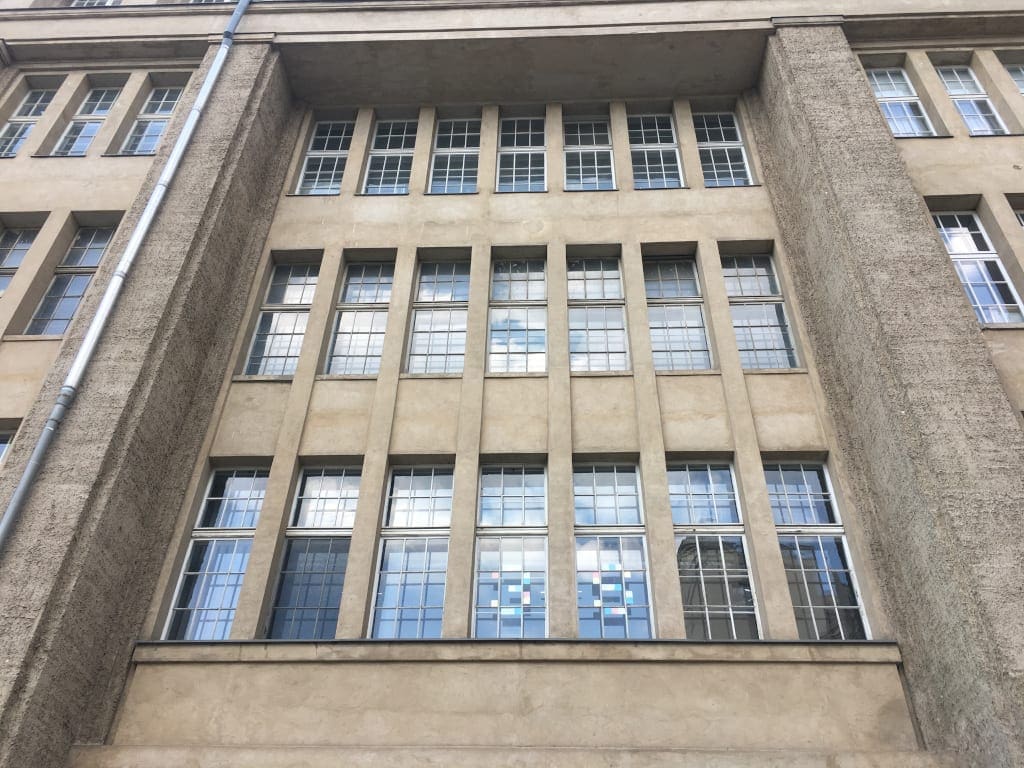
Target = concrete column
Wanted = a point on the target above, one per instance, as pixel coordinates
(487, 178)
(84, 578)
(116, 124)
(932, 448)
(355, 166)
(49, 127)
(661, 549)
(688, 152)
(420, 176)
(621, 157)
(555, 141)
(999, 86)
(34, 275)
(357, 600)
(931, 90)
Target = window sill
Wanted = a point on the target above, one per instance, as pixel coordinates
(610, 189)
(585, 374)
(383, 194)
(33, 337)
(937, 136)
(346, 377)
(524, 375)
(451, 194)
(774, 371)
(733, 186)
(696, 372)
(58, 157)
(252, 377)
(315, 194)
(1002, 326)
(430, 375)
(129, 154)
(521, 192)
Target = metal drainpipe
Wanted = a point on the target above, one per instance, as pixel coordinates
(92, 336)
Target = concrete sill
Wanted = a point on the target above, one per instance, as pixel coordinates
(772, 371)
(430, 375)
(345, 377)
(32, 337)
(533, 375)
(150, 155)
(1002, 326)
(450, 194)
(389, 194)
(590, 374)
(462, 650)
(522, 192)
(613, 189)
(243, 377)
(698, 372)
(926, 138)
(61, 157)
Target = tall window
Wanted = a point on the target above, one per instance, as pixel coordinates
(654, 152)
(282, 322)
(456, 157)
(723, 158)
(521, 152)
(413, 563)
(612, 597)
(211, 579)
(437, 339)
(361, 319)
(20, 124)
(390, 164)
(597, 320)
(14, 244)
(971, 101)
(899, 103)
(718, 599)
(981, 272)
(814, 553)
(152, 121)
(588, 154)
(315, 555)
(517, 340)
(70, 279)
(87, 122)
(326, 157)
(511, 554)
(758, 313)
(675, 313)
(1017, 73)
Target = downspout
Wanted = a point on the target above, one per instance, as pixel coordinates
(69, 389)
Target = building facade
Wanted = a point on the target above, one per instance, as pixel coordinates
(522, 383)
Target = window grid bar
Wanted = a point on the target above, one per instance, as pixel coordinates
(20, 124)
(522, 155)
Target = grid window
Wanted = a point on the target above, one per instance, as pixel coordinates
(611, 588)
(971, 101)
(420, 497)
(87, 122)
(14, 244)
(93, 3)
(517, 338)
(1017, 73)
(390, 163)
(899, 103)
(1020, 217)
(588, 155)
(591, 279)
(70, 281)
(151, 122)
(410, 588)
(718, 600)
(675, 314)
(281, 326)
(361, 320)
(5, 443)
(511, 587)
(758, 313)
(327, 498)
(654, 152)
(606, 495)
(437, 338)
(597, 329)
(979, 267)
(456, 157)
(309, 589)
(20, 124)
(521, 155)
(368, 283)
(518, 280)
(326, 156)
(723, 158)
(702, 494)
(512, 497)
(821, 581)
(211, 579)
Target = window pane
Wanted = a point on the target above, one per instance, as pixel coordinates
(594, 279)
(443, 281)
(518, 280)
(821, 586)
(512, 496)
(511, 576)
(606, 495)
(678, 338)
(438, 341)
(597, 339)
(327, 498)
(420, 497)
(293, 284)
(234, 499)
(368, 283)
(702, 494)
(277, 343)
(410, 588)
(358, 342)
(309, 590)
(59, 305)
(14, 244)
(388, 175)
(799, 494)
(517, 340)
(611, 588)
(718, 602)
(208, 594)
(762, 336)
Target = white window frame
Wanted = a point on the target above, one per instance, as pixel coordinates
(911, 98)
(644, 147)
(686, 302)
(70, 270)
(6, 438)
(972, 95)
(583, 149)
(528, 305)
(340, 157)
(376, 309)
(403, 153)
(708, 148)
(466, 152)
(601, 300)
(764, 300)
(19, 125)
(274, 311)
(9, 269)
(513, 151)
(147, 115)
(84, 118)
(420, 307)
(1016, 71)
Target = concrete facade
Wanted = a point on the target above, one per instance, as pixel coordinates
(911, 407)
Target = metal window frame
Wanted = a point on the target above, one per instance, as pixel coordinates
(150, 117)
(740, 144)
(979, 95)
(81, 116)
(912, 99)
(374, 153)
(513, 151)
(342, 306)
(762, 300)
(510, 303)
(266, 307)
(673, 146)
(568, 150)
(405, 534)
(420, 305)
(680, 301)
(27, 121)
(436, 151)
(341, 154)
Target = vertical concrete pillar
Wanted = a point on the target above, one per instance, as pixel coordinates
(689, 154)
(352, 180)
(84, 557)
(932, 448)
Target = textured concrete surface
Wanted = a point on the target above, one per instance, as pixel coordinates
(928, 438)
(78, 575)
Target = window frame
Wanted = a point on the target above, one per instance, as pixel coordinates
(423, 305)
(710, 147)
(527, 305)
(356, 307)
(973, 97)
(151, 117)
(403, 153)
(276, 310)
(340, 155)
(24, 122)
(7, 272)
(912, 98)
(645, 147)
(466, 152)
(513, 151)
(85, 118)
(778, 300)
(678, 301)
(586, 303)
(581, 149)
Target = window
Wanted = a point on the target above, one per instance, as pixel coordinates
(899, 103)
(456, 157)
(411, 579)
(151, 122)
(521, 147)
(19, 125)
(70, 279)
(1020, 217)
(654, 151)
(437, 341)
(390, 164)
(675, 313)
(511, 557)
(361, 320)
(5, 442)
(326, 157)
(821, 582)
(758, 313)
(971, 102)
(87, 122)
(718, 599)
(981, 272)
(211, 579)
(282, 322)
(611, 564)
(316, 552)
(517, 340)
(723, 158)
(14, 244)
(597, 320)
(1017, 73)
(93, 3)
(588, 154)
